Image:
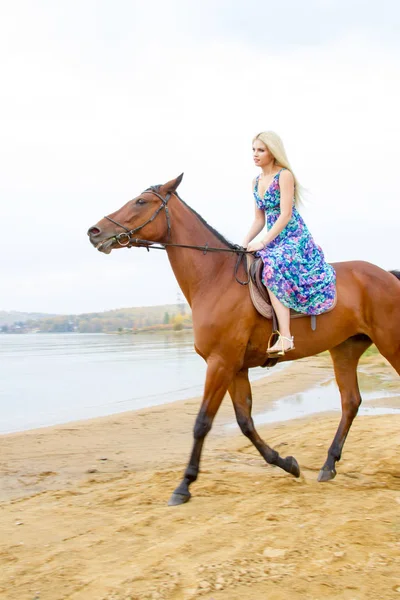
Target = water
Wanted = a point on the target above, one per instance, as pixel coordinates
(321, 398)
(47, 379)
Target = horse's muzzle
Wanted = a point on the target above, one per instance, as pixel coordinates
(99, 240)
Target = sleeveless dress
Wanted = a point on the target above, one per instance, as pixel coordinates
(294, 265)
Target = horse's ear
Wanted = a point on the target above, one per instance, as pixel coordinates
(172, 185)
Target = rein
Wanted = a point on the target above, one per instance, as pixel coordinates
(125, 238)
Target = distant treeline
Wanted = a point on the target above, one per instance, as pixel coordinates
(10, 317)
(168, 316)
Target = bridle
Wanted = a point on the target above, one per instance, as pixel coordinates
(130, 232)
(126, 238)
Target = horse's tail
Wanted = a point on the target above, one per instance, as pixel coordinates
(396, 273)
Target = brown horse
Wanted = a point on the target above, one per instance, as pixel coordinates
(232, 337)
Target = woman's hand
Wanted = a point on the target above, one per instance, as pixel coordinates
(255, 246)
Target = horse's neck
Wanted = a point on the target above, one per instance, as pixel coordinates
(195, 271)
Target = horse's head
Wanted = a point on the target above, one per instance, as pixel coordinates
(138, 218)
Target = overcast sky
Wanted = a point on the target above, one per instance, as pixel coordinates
(100, 99)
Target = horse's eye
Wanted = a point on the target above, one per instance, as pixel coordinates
(140, 201)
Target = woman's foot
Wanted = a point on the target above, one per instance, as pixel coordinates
(282, 345)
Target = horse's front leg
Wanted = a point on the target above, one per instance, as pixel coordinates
(219, 376)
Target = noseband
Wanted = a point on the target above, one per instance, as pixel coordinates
(124, 239)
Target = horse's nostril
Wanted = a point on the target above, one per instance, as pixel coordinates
(94, 231)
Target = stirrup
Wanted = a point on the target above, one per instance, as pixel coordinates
(273, 334)
(282, 351)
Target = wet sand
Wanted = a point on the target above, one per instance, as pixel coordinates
(83, 510)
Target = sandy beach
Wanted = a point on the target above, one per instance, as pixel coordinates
(84, 515)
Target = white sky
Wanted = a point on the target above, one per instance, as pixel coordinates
(100, 99)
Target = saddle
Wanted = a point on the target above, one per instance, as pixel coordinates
(262, 303)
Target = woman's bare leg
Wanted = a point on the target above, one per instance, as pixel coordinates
(283, 316)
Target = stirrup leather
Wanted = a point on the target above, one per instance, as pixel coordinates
(281, 351)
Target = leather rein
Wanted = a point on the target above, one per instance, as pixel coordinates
(126, 238)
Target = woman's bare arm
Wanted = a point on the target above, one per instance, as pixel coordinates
(286, 184)
(258, 224)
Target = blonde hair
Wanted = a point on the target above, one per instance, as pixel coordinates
(277, 149)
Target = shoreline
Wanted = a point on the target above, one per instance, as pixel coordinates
(178, 392)
(308, 378)
(38, 453)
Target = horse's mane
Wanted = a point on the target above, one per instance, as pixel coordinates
(214, 231)
(396, 273)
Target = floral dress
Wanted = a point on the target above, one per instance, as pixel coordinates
(294, 265)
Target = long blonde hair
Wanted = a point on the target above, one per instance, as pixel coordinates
(277, 149)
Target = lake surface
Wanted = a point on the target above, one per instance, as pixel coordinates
(47, 379)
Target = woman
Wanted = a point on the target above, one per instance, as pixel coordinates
(295, 271)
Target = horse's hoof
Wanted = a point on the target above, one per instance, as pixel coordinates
(293, 466)
(177, 499)
(326, 474)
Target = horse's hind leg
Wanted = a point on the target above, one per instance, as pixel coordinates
(240, 392)
(389, 347)
(385, 332)
(345, 360)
